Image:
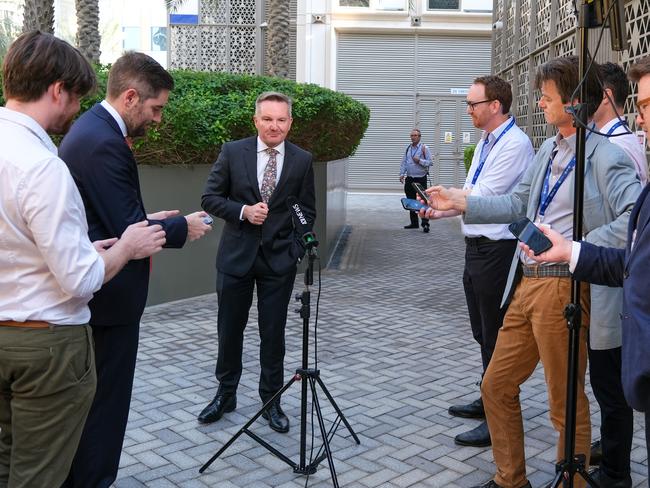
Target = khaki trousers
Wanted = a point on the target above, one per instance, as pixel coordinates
(47, 383)
(534, 329)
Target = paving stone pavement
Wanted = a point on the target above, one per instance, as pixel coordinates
(394, 349)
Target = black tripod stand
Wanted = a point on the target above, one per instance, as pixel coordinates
(308, 377)
(573, 464)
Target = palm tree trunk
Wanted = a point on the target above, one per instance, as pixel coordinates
(277, 50)
(38, 15)
(88, 38)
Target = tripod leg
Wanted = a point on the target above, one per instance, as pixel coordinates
(244, 429)
(323, 431)
(338, 410)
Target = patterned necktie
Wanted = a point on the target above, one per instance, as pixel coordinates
(270, 175)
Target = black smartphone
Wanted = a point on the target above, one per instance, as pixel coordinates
(528, 233)
(420, 191)
(413, 205)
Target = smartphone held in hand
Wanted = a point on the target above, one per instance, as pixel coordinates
(420, 191)
(413, 205)
(528, 233)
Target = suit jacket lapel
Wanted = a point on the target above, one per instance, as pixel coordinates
(537, 183)
(286, 167)
(103, 114)
(639, 218)
(250, 162)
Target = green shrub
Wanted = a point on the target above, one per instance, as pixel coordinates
(468, 154)
(207, 109)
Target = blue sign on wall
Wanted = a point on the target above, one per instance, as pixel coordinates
(183, 19)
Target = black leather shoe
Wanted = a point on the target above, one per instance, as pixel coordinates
(222, 403)
(411, 226)
(605, 481)
(473, 410)
(278, 421)
(425, 228)
(596, 455)
(477, 437)
(493, 484)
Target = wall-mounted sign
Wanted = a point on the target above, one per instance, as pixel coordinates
(449, 137)
(467, 137)
(459, 91)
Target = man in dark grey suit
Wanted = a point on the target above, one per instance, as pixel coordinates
(248, 188)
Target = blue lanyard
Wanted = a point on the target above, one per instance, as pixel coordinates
(547, 197)
(482, 159)
(413, 153)
(618, 124)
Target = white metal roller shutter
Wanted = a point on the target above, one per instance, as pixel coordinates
(384, 72)
(375, 63)
(451, 62)
(375, 166)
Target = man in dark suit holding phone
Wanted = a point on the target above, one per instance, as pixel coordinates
(248, 188)
(98, 154)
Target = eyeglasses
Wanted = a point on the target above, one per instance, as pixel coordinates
(642, 106)
(472, 105)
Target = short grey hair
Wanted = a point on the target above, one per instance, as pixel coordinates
(275, 96)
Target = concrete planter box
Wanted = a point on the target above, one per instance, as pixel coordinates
(188, 272)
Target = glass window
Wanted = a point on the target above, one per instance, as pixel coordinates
(354, 3)
(159, 38)
(131, 38)
(444, 4)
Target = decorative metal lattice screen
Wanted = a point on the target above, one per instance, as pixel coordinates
(229, 36)
(224, 39)
(533, 30)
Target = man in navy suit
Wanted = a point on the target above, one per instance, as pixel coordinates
(97, 151)
(248, 188)
(629, 268)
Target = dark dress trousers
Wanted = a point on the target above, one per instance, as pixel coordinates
(250, 255)
(106, 174)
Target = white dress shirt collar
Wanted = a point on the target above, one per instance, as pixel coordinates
(115, 114)
(605, 128)
(30, 124)
(496, 132)
(261, 146)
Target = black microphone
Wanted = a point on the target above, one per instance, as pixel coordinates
(300, 223)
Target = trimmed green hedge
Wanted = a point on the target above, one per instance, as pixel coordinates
(207, 109)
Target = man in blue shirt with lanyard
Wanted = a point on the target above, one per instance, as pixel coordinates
(534, 327)
(612, 451)
(500, 160)
(414, 169)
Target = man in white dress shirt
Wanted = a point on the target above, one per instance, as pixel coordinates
(500, 159)
(608, 122)
(50, 269)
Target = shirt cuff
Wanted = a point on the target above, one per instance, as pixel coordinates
(241, 212)
(575, 254)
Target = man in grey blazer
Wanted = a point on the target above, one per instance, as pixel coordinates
(534, 327)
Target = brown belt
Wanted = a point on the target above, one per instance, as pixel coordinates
(30, 324)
